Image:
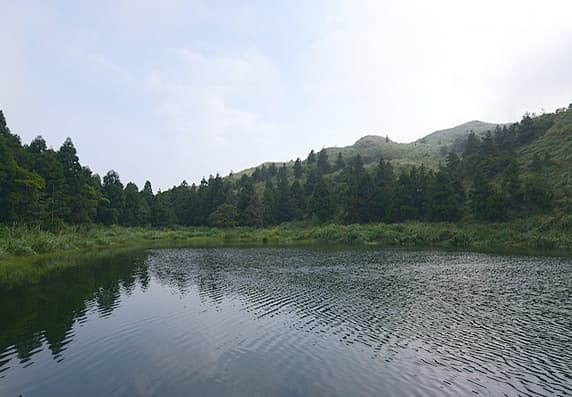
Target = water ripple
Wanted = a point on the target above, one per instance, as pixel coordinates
(303, 322)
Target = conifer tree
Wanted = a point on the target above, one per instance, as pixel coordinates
(269, 204)
(297, 200)
(298, 168)
(340, 163)
(282, 198)
(323, 162)
(321, 200)
(383, 182)
(311, 160)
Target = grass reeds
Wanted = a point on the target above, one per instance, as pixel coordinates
(20, 246)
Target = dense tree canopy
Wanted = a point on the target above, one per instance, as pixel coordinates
(39, 185)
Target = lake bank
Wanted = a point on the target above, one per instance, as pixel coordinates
(21, 247)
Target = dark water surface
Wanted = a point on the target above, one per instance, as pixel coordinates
(292, 322)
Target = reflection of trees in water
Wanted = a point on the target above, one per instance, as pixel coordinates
(210, 278)
(351, 291)
(183, 269)
(47, 311)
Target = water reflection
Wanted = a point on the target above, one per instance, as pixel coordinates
(46, 312)
(295, 322)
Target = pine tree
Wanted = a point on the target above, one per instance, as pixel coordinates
(3, 126)
(340, 163)
(132, 211)
(246, 198)
(323, 162)
(357, 192)
(297, 200)
(511, 185)
(81, 199)
(321, 205)
(383, 182)
(113, 201)
(312, 178)
(402, 205)
(487, 203)
(311, 160)
(269, 204)
(282, 198)
(298, 168)
(421, 179)
(446, 202)
(163, 215)
(257, 175)
(272, 170)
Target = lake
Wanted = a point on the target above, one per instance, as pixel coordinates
(291, 322)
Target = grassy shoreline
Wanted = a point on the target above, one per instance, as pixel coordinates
(22, 249)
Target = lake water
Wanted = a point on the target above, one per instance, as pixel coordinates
(292, 322)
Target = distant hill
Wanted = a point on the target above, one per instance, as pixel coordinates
(429, 150)
(524, 166)
(552, 150)
(451, 135)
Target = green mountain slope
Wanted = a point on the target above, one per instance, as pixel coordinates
(550, 157)
(543, 151)
(451, 135)
(429, 150)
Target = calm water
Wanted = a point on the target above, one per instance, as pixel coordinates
(292, 322)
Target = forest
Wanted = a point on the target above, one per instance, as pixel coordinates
(488, 179)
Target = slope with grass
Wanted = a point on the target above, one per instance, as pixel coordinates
(429, 150)
(550, 156)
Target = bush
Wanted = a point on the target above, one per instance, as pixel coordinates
(565, 224)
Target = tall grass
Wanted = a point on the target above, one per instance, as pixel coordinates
(542, 233)
(17, 241)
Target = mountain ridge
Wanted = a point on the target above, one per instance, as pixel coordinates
(428, 150)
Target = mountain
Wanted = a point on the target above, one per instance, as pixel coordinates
(429, 150)
(541, 145)
(451, 135)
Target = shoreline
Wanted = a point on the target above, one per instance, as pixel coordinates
(29, 254)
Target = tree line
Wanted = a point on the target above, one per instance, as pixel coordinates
(47, 187)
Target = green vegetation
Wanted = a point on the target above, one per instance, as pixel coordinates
(512, 172)
(507, 188)
(28, 254)
(371, 148)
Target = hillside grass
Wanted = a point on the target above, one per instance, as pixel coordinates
(557, 170)
(403, 156)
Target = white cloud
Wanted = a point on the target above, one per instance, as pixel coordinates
(410, 67)
(214, 106)
(253, 82)
(148, 17)
(105, 64)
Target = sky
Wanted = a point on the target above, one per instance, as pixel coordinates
(175, 90)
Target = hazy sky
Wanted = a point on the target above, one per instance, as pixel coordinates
(179, 89)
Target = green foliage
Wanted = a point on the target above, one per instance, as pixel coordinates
(226, 215)
(321, 200)
(340, 162)
(534, 233)
(504, 173)
(323, 162)
(311, 158)
(269, 204)
(298, 168)
(488, 204)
